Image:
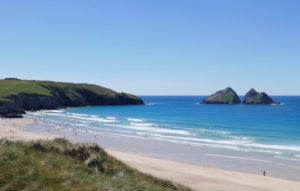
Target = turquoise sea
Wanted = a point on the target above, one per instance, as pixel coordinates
(272, 129)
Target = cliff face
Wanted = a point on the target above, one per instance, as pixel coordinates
(254, 97)
(37, 95)
(226, 96)
(10, 110)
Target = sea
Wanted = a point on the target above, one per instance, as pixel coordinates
(250, 132)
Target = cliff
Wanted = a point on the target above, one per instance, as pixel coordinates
(226, 96)
(254, 97)
(17, 96)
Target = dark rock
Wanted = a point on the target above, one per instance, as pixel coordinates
(11, 79)
(12, 115)
(226, 96)
(254, 97)
(10, 110)
(34, 101)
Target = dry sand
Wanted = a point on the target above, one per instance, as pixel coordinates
(204, 178)
(195, 176)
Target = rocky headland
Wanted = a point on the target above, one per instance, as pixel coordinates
(18, 96)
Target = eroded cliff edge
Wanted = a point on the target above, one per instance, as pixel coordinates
(18, 96)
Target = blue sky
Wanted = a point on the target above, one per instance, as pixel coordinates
(155, 47)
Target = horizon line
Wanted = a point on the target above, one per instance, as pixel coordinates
(202, 95)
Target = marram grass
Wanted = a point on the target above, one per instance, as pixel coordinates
(60, 165)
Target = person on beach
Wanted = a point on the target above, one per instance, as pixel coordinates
(264, 173)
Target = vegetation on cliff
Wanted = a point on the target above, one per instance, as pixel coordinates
(254, 97)
(61, 165)
(16, 96)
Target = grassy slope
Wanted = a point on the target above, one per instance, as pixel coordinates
(60, 165)
(14, 87)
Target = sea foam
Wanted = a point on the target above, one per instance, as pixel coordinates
(135, 120)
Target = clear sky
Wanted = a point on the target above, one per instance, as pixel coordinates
(155, 47)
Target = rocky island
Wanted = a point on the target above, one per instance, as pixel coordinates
(226, 96)
(18, 96)
(254, 97)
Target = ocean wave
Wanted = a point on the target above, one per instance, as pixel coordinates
(241, 138)
(135, 120)
(245, 143)
(142, 124)
(229, 142)
(152, 129)
(82, 116)
(77, 114)
(54, 111)
(212, 131)
(98, 119)
(52, 114)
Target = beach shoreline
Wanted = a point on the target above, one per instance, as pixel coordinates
(198, 177)
(205, 155)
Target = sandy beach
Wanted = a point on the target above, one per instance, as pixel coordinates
(15, 129)
(195, 176)
(204, 178)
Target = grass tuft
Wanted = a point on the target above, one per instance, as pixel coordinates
(61, 165)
